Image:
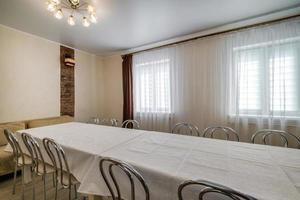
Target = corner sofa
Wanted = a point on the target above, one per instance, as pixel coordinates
(6, 158)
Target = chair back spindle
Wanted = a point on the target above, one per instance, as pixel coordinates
(186, 129)
(59, 161)
(207, 187)
(227, 131)
(130, 123)
(107, 168)
(265, 134)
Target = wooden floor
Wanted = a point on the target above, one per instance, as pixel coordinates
(6, 184)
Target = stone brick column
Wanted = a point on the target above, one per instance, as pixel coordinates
(67, 85)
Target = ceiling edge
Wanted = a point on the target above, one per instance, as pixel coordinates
(256, 20)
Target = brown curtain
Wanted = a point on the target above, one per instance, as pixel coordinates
(127, 87)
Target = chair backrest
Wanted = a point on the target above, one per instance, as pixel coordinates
(114, 122)
(267, 133)
(107, 122)
(59, 160)
(207, 187)
(186, 129)
(107, 168)
(14, 143)
(227, 131)
(35, 152)
(130, 123)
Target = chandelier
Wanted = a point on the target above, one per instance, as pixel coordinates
(75, 9)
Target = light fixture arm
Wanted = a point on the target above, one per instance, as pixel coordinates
(79, 7)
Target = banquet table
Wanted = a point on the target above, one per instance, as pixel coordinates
(166, 160)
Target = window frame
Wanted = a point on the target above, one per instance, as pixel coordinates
(161, 110)
(266, 111)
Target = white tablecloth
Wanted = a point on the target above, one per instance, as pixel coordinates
(165, 160)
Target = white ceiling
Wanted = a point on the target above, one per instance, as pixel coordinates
(125, 24)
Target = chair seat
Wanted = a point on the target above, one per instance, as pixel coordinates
(66, 178)
(48, 169)
(27, 161)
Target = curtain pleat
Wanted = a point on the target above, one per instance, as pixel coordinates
(127, 87)
(248, 79)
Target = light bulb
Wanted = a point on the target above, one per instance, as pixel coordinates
(71, 20)
(56, 1)
(51, 7)
(85, 22)
(93, 18)
(90, 8)
(58, 14)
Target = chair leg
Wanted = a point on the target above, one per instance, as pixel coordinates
(44, 182)
(53, 179)
(15, 177)
(56, 189)
(33, 184)
(23, 184)
(75, 191)
(70, 192)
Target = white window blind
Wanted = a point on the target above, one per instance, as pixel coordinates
(269, 79)
(152, 86)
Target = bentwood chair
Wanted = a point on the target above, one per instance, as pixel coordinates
(108, 122)
(208, 188)
(40, 168)
(20, 159)
(267, 133)
(131, 123)
(113, 122)
(107, 168)
(227, 131)
(61, 167)
(186, 129)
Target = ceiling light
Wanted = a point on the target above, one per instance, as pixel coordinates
(93, 18)
(75, 8)
(51, 7)
(58, 14)
(90, 8)
(74, 2)
(71, 20)
(85, 22)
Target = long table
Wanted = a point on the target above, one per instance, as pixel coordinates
(165, 160)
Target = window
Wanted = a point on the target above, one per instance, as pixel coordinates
(152, 86)
(268, 79)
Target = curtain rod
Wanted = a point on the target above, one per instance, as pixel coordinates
(221, 32)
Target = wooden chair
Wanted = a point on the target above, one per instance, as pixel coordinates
(39, 168)
(61, 167)
(267, 133)
(227, 131)
(20, 159)
(186, 129)
(107, 166)
(207, 187)
(130, 123)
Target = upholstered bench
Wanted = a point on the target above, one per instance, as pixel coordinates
(6, 158)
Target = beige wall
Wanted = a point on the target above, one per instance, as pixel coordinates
(113, 93)
(88, 82)
(30, 79)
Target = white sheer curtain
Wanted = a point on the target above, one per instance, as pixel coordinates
(247, 79)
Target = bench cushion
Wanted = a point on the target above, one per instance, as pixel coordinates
(6, 161)
(49, 121)
(14, 126)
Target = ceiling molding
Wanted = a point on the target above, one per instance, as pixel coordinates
(227, 27)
